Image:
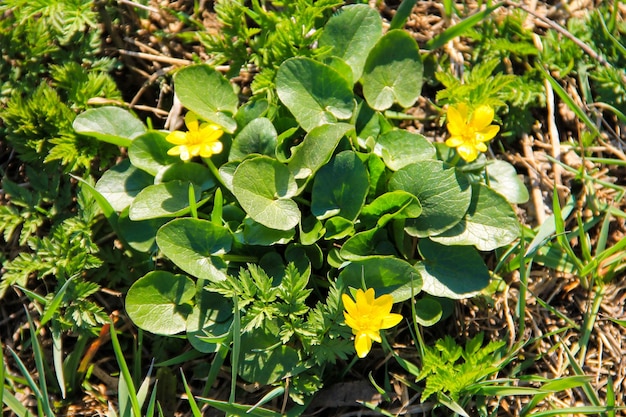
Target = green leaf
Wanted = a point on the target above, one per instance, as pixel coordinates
(256, 234)
(159, 302)
(148, 152)
(234, 409)
(109, 124)
(263, 186)
(169, 199)
(340, 187)
(121, 184)
(207, 93)
(315, 93)
(393, 72)
(392, 205)
(502, 178)
(444, 193)
(352, 33)
(428, 311)
(451, 271)
(386, 275)
(399, 148)
(140, 234)
(369, 243)
(195, 246)
(490, 222)
(199, 174)
(460, 29)
(316, 149)
(264, 361)
(257, 137)
(209, 323)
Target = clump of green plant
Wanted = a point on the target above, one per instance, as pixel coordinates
(262, 219)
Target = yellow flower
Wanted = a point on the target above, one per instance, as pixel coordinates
(367, 316)
(201, 139)
(469, 132)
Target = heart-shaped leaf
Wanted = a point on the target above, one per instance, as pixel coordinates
(490, 222)
(199, 174)
(399, 148)
(264, 187)
(209, 323)
(451, 271)
(367, 244)
(386, 275)
(140, 235)
(393, 72)
(340, 187)
(195, 246)
(149, 152)
(207, 93)
(392, 205)
(160, 302)
(352, 33)
(444, 193)
(504, 179)
(121, 184)
(316, 150)
(109, 124)
(169, 199)
(256, 234)
(314, 92)
(257, 137)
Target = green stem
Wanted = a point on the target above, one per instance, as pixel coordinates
(590, 320)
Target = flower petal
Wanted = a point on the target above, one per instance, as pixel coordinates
(457, 119)
(349, 304)
(468, 153)
(177, 137)
(362, 344)
(191, 120)
(487, 133)
(454, 141)
(482, 117)
(175, 151)
(391, 320)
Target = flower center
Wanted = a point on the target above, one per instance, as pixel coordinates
(194, 138)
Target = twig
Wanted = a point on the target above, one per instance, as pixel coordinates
(158, 58)
(535, 181)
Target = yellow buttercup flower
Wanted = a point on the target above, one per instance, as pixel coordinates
(201, 139)
(469, 132)
(367, 317)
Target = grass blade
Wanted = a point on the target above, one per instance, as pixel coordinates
(239, 409)
(460, 28)
(57, 357)
(39, 364)
(402, 14)
(128, 380)
(234, 356)
(53, 306)
(192, 402)
(13, 403)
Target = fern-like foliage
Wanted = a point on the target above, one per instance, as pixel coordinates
(452, 370)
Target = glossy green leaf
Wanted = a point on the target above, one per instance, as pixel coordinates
(257, 137)
(393, 72)
(141, 234)
(121, 184)
(316, 149)
(352, 33)
(169, 199)
(251, 110)
(264, 361)
(386, 275)
(149, 152)
(314, 92)
(444, 193)
(428, 311)
(451, 271)
(160, 302)
(503, 178)
(490, 222)
(264, 187)
(370, 243)
(340, 187)
(195, 246)
(207, 93)
(194, 172)
(399, 148)
(209, 323)
(256, 234)
(109, 124)
(311, 230)
(338, 228)
(392, 205)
